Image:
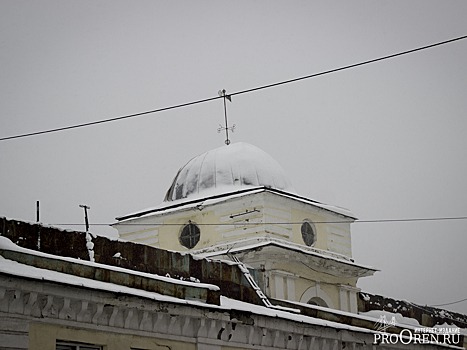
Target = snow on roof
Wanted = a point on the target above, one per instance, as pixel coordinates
(15, 268)
(21, 270)
(6, 244)
(376, 315)
(210, 198)
(407, 322)
(400, 320)
(235, 166)
(263, 310)
(253, 243)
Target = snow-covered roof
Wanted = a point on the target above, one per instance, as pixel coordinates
(23, 270)
(15, 268)
(236, 166)
(212, 197)
(6, 244)
(259, 242)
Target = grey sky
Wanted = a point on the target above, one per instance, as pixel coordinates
(386, 140)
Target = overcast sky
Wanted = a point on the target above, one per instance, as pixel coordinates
(385, 140)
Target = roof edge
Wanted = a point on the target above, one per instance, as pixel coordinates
(339, 258)
(182, 203)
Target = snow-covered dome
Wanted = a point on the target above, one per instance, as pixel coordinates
(225, 169)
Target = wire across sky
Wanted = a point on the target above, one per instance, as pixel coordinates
(251, 223)
(158, 110)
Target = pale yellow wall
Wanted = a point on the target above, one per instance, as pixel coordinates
(325, 223)
(272, 208)
(332, 234)
(301, 286)
(169, 234)
(301, 213)
(43, 336)
(307, 278)
(173, 222)
(309, 274)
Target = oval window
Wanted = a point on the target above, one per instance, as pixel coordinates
(308, 233)
(189, 237)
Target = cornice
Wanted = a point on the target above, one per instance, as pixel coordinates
(75, 307)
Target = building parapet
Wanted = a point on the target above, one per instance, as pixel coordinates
(131, 256)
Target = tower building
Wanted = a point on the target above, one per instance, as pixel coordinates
(236, 203)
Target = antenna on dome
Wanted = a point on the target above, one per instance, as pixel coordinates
(222, 93)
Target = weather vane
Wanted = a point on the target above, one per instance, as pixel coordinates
(222, 93)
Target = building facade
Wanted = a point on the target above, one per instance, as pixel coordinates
(237, 200)
(232, 259)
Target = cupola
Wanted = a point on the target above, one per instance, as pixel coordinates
(225, 169)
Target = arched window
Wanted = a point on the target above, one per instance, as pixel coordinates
(189, 237)
(317, 301)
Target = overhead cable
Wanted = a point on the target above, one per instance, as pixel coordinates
(451, 303)
(246, 223)
(430, 311)
(234, 93)
(107, 120)
(350, 66)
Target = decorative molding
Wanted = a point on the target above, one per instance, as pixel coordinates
(76, 307)
(316, 291)
(24, 300)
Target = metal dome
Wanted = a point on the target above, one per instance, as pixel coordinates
(226, 169)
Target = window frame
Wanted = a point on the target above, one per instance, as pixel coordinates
(191, 239)
(313, 234)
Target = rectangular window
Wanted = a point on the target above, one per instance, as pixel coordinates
(62, 345)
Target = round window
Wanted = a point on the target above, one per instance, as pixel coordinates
(189, 237)
(308, 233)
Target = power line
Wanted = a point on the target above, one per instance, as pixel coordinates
(235, 93)
(451, 303)
(108, 120)
(249, 223)
(430, 311)
(351, 66)
(413, 219)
